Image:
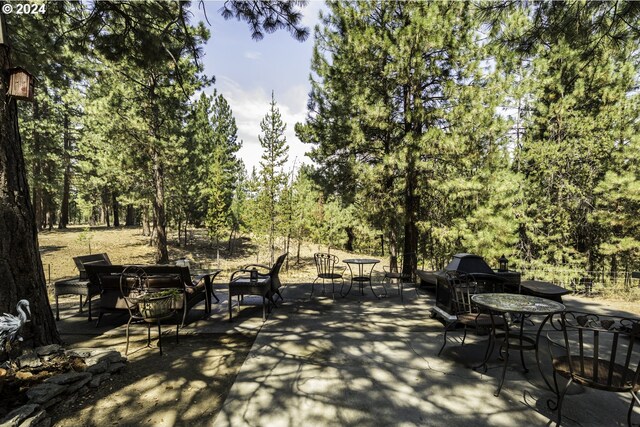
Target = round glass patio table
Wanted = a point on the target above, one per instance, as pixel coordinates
(364, 268)
(505, 304)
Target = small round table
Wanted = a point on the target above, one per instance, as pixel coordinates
(526, 305)
(362, 276)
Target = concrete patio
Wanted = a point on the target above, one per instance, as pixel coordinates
(363, 361)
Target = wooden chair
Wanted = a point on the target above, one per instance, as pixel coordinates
(598, 352)
(326, 270)
(461, 287)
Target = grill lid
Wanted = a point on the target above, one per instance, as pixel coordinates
(469, 263)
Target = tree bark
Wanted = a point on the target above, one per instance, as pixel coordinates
(66, 185)
(162, 254)
(116, 208)
(21, 272)
(131, 216)
(146, 230)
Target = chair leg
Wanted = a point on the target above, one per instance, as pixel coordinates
(57, 309)
(159, 337)
(634, 398)
(464, 336)
(312, 286)
(446, 330)
(561, 399)
(126, 349)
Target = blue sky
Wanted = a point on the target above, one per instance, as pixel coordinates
(246, 72)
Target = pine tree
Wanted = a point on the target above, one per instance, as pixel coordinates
(273, 177)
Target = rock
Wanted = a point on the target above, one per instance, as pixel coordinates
(79, 384)
(36, 419)
(79, 352)
(68, 378)
(23, 375)
(44, 392)
(99, 367)
(98, 379)
(29, 360)
(54, 401)
(48, 349)
(116, 367)
(110, 357)
(15, 417)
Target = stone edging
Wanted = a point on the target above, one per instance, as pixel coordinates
(100, 365)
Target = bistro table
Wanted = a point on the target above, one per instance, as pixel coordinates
(505, 304)
(363, 276)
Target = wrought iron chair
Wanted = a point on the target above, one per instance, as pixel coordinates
(326, 268)
(143, 306)
(250, 281)
(394, 272)
(461, 287)
(598, 352)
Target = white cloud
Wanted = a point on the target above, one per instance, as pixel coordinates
(253, 55)
(250, 105)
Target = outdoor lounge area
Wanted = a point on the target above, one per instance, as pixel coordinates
(353, 360)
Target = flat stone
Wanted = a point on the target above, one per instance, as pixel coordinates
(79, 384)
(79, 352)
(99, 367)
(55, 401)
(44, 392)
(15, 417)
(30, 360)
(68, 378)
(48, 349)
(38, 419)
(98, 379)
(116, 367)
(109, 356)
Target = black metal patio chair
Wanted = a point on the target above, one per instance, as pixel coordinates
(327, 270)
(600, 352)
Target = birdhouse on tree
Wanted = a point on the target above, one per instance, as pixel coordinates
(21, 84)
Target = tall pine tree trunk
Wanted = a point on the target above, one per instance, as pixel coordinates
(66, 184)
(116, 208)
(21, 272)
(162, 254)
(131, 216)
(160, 219)
(146, 229)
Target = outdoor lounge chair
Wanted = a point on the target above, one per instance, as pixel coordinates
(80, 285)
(250, 281)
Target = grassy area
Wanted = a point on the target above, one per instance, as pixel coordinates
(129, 246)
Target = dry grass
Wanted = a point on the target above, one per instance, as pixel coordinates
(129, 246)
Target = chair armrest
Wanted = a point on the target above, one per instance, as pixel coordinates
(239, 271)
(552, 343)
(211, 274)
(266, 267)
